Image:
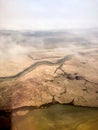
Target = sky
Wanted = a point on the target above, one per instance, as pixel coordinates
(48, 14)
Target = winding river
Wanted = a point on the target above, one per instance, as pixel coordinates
(54, 117)
(36, 64)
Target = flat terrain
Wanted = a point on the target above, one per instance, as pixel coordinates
(34, 69)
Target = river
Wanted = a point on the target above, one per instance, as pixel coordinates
(58, 117)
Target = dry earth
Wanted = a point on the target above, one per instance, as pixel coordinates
(74, 82)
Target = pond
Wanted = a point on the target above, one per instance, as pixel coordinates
(58, 117)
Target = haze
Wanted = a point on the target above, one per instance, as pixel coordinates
(48, 14)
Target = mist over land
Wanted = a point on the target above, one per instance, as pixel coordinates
(49, 77)
(47, 67)
(21, 44)
(21, 49)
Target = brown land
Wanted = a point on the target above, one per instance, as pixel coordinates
(73, 82)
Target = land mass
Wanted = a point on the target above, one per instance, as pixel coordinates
(28, 79)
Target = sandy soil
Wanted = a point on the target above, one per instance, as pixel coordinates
(75, 82)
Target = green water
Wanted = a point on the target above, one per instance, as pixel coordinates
(58, 117)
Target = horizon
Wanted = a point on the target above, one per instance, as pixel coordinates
(51, 30)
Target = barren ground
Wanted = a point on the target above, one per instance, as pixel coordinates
(73, 82)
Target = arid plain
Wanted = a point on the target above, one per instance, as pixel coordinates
(33, 71)
(48, 67)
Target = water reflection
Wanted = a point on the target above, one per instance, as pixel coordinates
(58, 117)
